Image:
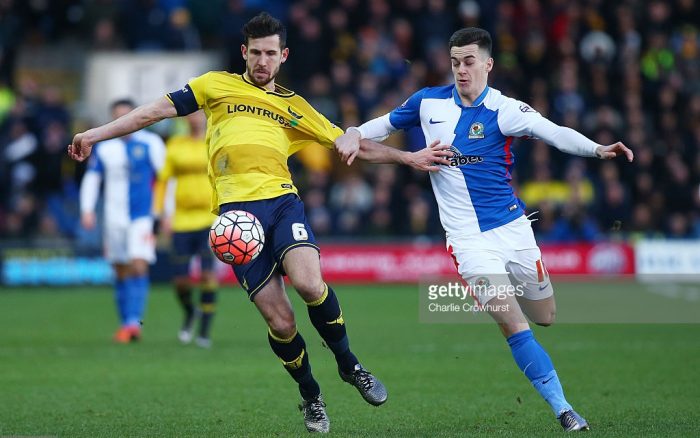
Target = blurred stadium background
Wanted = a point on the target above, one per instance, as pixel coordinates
(627, 69)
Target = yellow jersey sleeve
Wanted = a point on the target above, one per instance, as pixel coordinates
(198, 86)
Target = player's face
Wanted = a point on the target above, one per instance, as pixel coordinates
(263, 57)
(470, 67)
(120, 110)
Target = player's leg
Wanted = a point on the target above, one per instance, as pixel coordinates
(121, 272)
(262, 280)
(479, 267)
(180, 261)
(537, 300)
(296, 249)
(288, 344)
(537, 297)
(304, 271)
(116, 252)
(141, 248)
(208, 287)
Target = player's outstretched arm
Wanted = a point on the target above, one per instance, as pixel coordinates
(427, 159)
(573, 142)
(139, 118)
(348, 144)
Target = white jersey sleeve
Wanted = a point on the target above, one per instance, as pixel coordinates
(156, 152)
(518, 119)
(376, 129)
(90, 184)
(89, 191)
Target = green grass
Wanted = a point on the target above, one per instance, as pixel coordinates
(60, 375)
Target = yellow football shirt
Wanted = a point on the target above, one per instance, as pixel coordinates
(251, 133)
(186, 162)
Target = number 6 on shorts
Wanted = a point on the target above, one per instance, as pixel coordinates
(299, 231)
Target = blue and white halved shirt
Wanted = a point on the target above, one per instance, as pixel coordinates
(474, 193)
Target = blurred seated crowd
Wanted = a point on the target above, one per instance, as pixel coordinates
(614, 70)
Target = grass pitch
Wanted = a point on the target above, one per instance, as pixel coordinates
(60, 374)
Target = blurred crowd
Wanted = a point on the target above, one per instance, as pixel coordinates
(614, 70)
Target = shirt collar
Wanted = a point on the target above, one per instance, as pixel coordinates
(479, 100)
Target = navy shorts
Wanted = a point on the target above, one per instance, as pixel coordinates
(285, 226)
(187, 245)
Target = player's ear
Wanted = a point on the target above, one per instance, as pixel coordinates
(244, 51)
(489, 65)
(285, 54)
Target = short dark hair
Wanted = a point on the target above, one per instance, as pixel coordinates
(471, 35)
(264, 25)
(120, 102)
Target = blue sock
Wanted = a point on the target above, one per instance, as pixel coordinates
(537, 366)
(141, 284)
(120, 298)
(132, 294)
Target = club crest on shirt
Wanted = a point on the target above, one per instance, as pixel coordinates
(476, 130)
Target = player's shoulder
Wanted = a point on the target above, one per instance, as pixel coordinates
(497, 101)
(439, 92)
(218, 80)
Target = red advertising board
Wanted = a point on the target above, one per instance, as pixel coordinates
(408, 263)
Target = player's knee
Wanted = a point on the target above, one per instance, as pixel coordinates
(547, 319)
(182, 282)
(139, 267)
(310, 289)
(282, 327)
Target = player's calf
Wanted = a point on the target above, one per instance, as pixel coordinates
(327, 317)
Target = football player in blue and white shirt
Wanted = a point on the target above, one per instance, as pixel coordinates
(128, 166)
(487, 231)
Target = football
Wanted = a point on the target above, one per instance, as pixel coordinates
(236, 237)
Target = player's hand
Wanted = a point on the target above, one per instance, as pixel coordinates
(429, 159)
(81, 147)
(614, 150)
(88, 220)
(348, 145)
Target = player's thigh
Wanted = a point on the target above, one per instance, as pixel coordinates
(291, 229)
(116, 249)
(303, 268)
(481, 270)
(141, 242)
(528, 271)
(273, 304)
(536, 293)
(181, 253)
(295, 248)
(254, 275)
(485, 274)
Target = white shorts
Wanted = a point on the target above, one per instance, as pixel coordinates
(506, 255)
(135, 240)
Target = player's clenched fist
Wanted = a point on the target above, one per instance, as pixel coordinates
(81, 147)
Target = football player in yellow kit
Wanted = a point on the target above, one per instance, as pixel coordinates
(182, 201)
(253, 126)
